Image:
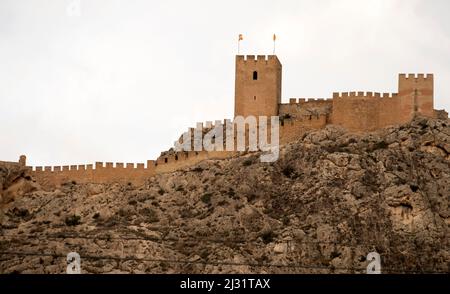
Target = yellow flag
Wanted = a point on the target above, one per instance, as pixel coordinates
(240, 37)
(274, 37)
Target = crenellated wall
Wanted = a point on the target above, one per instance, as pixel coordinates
(310, 102)
(359, 111)
(367, 111)
(302, 106)
(53, 176)
(258, 93)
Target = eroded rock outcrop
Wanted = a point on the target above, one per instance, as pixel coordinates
(330, 199)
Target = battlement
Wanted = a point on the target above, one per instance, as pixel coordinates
(100, 172)
(416, 77)
(301, 101)
(208, 125)
(364, 95)
(243, 59)
(367, 111)
(98, 166)
(408, 84)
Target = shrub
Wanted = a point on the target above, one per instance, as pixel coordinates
(21, 212)
(267, 236)
(73, 220)
(288, 171)
(381, 145)
(247, 162)
(206, 198)
(231, 193)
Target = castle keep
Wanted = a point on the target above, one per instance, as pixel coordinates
(258, 93)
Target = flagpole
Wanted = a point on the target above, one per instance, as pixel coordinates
(240, 38)
(274, 40)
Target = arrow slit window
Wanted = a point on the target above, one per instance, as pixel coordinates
(255, 75)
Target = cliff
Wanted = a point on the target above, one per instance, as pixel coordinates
(330, 199)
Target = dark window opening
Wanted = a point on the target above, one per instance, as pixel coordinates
(165, 160)
(255, 75)
(254, 97)
(176, 157)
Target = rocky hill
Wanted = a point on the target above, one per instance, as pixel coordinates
(330, 199)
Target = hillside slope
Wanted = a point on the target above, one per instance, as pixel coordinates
(330, 199)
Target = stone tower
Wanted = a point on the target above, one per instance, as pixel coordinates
(257, 85)
(416, 94)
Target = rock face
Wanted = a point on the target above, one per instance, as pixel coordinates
(331, 198)
(14, 181)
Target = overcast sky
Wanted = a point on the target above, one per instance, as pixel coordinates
(111, 80)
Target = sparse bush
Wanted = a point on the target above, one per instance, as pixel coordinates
(414, 187)
(21, 212)
(73, 220)
(122, 212)
(231, 193)
(161, 191)
(206, 198)
(222, 203)
(335, 254)
(288, 171)
(380, 145)
(247, 162)
(268, 236)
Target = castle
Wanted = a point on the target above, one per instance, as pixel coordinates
(258, 93)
